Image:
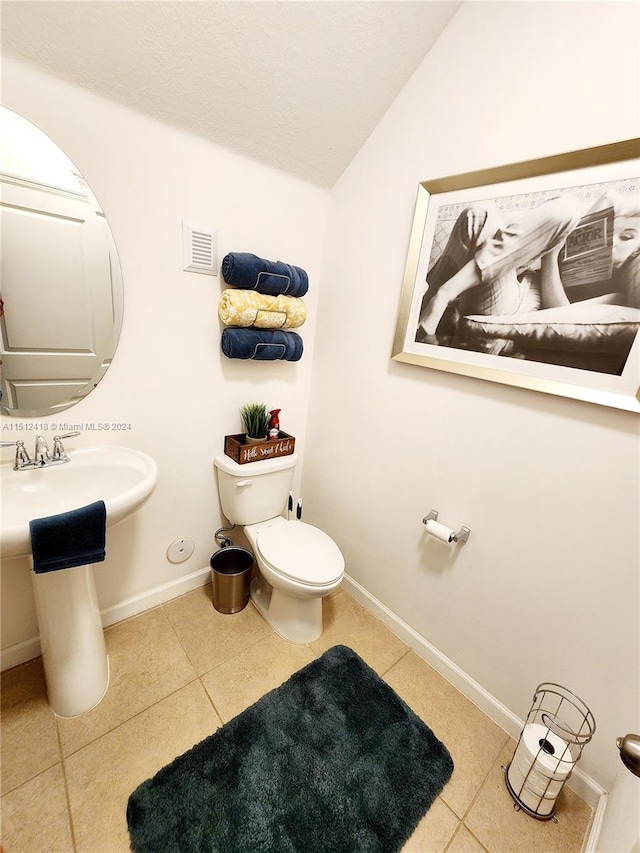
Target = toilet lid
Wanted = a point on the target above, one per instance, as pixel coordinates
(301, 552)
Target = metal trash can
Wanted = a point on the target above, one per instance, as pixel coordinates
(231, 576)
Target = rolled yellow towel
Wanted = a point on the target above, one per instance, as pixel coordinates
(248, 308)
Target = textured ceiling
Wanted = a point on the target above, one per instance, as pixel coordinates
(297, 85)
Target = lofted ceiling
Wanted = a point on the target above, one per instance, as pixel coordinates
(295, 84)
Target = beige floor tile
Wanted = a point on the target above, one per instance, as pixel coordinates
(503, 829)
(29, 737)
(242, 680)
(210, 637)
(147, 663)
(35, 816)
(155, 658)
(473, 740)
(434, 831)
(465, 842)
(346, 622)
(102, 775)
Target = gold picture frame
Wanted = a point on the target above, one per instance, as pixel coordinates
(586, 350)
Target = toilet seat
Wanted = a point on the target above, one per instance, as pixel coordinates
(301, 552)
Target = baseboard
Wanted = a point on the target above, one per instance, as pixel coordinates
(154, 597)
(583, 785)
(29, 649)
(591, 841)
(20, 653)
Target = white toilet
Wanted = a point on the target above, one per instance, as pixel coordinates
(297, 564)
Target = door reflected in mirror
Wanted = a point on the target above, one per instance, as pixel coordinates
(61, 285)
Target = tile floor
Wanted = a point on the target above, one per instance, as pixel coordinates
(181, 670)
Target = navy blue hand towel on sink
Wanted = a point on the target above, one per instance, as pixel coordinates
(74, 538)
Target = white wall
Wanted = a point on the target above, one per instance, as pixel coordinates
(168, 380)
(547, 587)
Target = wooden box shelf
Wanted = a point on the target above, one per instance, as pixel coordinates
(236, 449)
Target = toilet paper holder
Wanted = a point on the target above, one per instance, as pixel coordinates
(461, 536)
(557, 728)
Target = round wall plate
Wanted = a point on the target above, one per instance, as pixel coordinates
(180, 550)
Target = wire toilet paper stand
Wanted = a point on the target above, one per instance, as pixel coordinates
(557, 728)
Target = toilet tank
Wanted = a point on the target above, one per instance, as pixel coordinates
(255, 491)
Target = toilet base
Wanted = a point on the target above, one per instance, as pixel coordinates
(298, 620)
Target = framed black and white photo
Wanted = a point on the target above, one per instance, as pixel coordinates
(529, 275)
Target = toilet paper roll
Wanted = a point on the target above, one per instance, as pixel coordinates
(552, 754)
(537, 794)
(445, 534)
(537, 774)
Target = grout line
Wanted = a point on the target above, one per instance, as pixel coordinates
(66, 792)
(186, 651)
(395, 663)
(212, 703)
(132, 717)
(177, 636)
(484, 780)
(453, 836)
(67, 795)
(237, 654)
(458, 829)
(35, 775)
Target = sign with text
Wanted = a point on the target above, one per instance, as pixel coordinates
(236, 449)
(586, 256)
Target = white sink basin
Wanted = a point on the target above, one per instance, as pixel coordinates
(121, 477)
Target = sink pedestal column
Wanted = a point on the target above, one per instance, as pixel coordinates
(74, 654)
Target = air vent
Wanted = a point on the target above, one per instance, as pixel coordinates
(200, 248)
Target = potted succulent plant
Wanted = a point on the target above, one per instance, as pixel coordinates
(255, 417)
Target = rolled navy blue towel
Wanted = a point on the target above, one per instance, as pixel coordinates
(242, 269)
(74, 538)
(261, 344)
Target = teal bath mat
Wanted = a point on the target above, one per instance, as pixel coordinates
(332, 761)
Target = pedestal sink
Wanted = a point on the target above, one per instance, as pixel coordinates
(74, 654)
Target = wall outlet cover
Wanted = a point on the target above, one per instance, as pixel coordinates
(180, 550)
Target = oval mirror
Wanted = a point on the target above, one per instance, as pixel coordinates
(61, 287)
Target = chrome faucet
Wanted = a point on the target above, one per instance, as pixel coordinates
(43, 457)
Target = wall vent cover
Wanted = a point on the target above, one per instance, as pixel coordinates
(199, 248)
